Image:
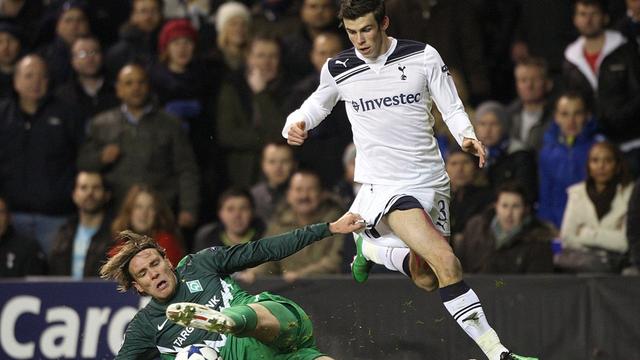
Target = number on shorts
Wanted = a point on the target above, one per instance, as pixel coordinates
(442, 215)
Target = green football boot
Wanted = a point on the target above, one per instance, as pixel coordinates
(512, 356)
(201, 317)
(360, 266)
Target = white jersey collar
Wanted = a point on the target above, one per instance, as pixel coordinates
(377, 63)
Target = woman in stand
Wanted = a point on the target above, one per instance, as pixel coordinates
(593, 229)
(146, 213)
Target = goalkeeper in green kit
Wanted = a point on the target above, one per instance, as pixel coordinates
(199, 303)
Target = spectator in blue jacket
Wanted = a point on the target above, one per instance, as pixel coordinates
(562, 159)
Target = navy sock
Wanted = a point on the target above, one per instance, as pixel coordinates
(452, 291)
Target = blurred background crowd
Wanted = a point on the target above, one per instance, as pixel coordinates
(164, 117)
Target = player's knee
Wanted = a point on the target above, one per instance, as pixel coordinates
(426, 282)
(448, 266)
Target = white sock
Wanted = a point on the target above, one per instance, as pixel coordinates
(391, 257)
(467, 311)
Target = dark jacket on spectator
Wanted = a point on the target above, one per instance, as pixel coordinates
(61, 258)
(513, 163)
(134, 46)
(156, 151)
(30, 19)
(245, 122)
(633, 225)
(212, 234)
(528, 251)
(190, 96)
(454, 28)
(323, 148)
(630, 29)
(20, 256)
(37, 156)
(58, 58)
(536, 133)
(466, 203)
(267, 198)
(6, 85)
(617, 97)
(86, 105)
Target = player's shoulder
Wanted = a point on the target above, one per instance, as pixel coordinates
(142, 320)
(345, 61)
(406, 49)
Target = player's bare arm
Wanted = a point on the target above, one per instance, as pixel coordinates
(476, 148)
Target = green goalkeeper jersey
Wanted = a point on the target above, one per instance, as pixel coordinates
(204, 278)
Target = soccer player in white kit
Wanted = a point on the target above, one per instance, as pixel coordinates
(388, 86)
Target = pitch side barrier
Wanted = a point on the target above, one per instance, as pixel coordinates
(553, 317)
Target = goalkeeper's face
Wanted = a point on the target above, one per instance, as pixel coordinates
(152, 274)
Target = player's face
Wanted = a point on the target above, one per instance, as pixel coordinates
(89, 194)
(510, 210)
(180, 52)
(152, 274)
(367, 36)
(589, 20)
(143, 214)
(461, 169)
(277, 164)
(86, 57)
(236, 214)
(304, 194)
(570, 116)
(530, 84)
(489, 129)
(602, 165)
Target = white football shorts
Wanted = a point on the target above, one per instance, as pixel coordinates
(373, 202)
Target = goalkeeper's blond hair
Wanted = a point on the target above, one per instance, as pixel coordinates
(117, 267)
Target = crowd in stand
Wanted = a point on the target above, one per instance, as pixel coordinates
(165, 117)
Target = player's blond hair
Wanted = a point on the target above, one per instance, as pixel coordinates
(117, 267)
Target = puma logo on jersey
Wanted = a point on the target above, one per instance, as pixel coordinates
(343, 63)
(387, 101)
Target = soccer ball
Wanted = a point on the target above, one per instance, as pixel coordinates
(198, 352)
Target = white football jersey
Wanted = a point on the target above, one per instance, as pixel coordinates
(388, 102)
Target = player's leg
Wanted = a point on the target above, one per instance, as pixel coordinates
(415, 228)
(240, 320)
(296, 340)
(421, 273)
(398, 259)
